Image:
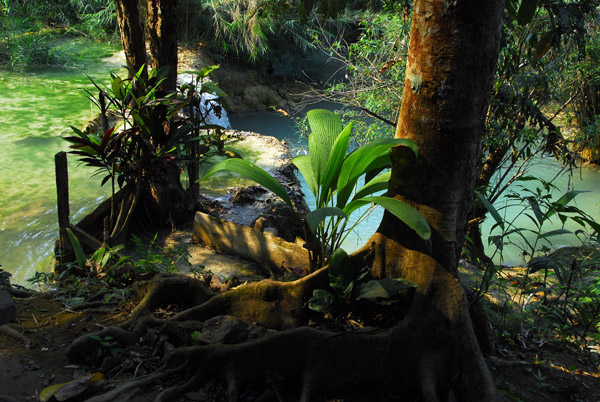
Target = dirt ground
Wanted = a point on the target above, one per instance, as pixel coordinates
(532, 371)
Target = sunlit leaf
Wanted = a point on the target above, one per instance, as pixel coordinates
(407, 214)
(379, 183)
(77, 248)
(302, 162)
(325, 127)
(334, 163)
(359, 161)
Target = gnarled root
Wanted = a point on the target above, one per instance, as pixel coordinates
(419, 358)
(430, 355)
(268, 303)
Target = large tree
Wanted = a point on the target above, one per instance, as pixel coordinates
(452, 57)
(133, 39)
(161, 32)
(432, 353)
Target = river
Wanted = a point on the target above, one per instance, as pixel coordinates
(36, 110)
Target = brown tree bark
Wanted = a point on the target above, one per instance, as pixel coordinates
(132, 35)
(452, 56)
(162, 32)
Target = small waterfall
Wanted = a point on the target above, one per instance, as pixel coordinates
(207, 102)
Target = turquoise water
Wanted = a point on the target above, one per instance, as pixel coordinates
(36, 110)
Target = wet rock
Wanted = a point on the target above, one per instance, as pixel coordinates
(248, 195)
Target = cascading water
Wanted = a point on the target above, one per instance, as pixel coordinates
(207, 103)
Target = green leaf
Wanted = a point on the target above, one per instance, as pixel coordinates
(325, 127)
(314, 218)
(321, 301)
(341, 273)
(526, 11)
(568, 197)
(117, 87)
(377, 166)
(491, 209)
(334, 164)
(535, 207)
(304, 165)
(407, 214)
(360, 160)
(211, 87)
(77, 249)
(379, 183)
(251, 172)
(556, 232)
(99, 254)
(204, 71)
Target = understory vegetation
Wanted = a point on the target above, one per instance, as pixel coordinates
(315, 332)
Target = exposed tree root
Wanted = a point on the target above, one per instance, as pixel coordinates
(272, 304)
(426, 356)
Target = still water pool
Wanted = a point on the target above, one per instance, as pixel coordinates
(36, 110)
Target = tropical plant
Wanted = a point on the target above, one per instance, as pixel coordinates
(332, 176)
(262, 30)
(107, 258)
(31, 31)
(535, 242)
(97, 18)
(107, 346)
(518, 126)
(145, 151)
(540, 207)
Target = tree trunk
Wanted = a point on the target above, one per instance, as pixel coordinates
(452, 58)
(162, 32)
(132, 35)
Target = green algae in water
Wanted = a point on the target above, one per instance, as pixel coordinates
(36, 109)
